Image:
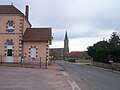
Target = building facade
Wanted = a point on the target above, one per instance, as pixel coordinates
(13, 26)
(57, 53)
(78, 55)
(36, 43)
(60, 53)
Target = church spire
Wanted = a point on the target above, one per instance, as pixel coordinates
(66, 45)
(66, 36)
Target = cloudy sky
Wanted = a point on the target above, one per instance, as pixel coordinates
(86, 21)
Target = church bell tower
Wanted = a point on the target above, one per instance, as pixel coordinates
(66, 45)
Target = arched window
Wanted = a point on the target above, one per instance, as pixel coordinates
(10, 26)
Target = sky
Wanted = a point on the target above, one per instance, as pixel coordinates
(86, 21)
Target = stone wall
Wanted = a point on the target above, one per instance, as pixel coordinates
(83, 61)
(115, 66)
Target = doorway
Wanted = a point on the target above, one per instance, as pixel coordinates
(9, 55)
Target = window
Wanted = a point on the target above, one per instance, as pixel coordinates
(10, 42)
(33, 52)
(10, 26)
(9, 52)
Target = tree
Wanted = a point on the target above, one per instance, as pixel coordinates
(99, 51)
(102, 49)
(114, 40)
(115, 46)
(91, 51)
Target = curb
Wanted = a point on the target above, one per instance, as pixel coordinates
(72, 83)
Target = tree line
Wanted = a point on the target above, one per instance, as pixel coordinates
(103, 51)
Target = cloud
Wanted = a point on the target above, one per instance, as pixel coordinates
(83, 19)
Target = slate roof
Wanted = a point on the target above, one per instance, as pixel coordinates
(9, 9)
(37, 34)
(66, 36)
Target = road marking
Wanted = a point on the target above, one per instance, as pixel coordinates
(71, 81)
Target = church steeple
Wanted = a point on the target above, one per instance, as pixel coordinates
(66, 45)
(66, 36)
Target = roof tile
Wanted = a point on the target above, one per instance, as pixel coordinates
(37, 34)
(9, 9)
(78, 54)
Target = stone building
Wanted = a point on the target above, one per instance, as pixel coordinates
(60, 53)
(78, 55)
(18, 38)
(63, 53)
(66, 45)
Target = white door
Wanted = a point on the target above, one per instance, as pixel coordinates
(33, 52)
(9, 57)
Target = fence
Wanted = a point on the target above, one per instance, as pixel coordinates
(18, 61)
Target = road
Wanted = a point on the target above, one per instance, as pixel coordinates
(91, 78)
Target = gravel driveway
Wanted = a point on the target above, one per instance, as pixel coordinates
(17, 78)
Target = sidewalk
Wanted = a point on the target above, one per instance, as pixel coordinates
(17, 78)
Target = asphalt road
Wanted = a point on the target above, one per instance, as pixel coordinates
(91, 78)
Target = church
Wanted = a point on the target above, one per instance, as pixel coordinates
(61, 53)
(18, 39)
(73, 56)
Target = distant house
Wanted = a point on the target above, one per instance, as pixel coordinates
(17, 38)
(78, 56)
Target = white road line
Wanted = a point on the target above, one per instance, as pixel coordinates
(71, 81)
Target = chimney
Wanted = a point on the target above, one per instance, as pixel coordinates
(27, 11)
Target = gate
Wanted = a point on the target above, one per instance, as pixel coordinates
(18, 61)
